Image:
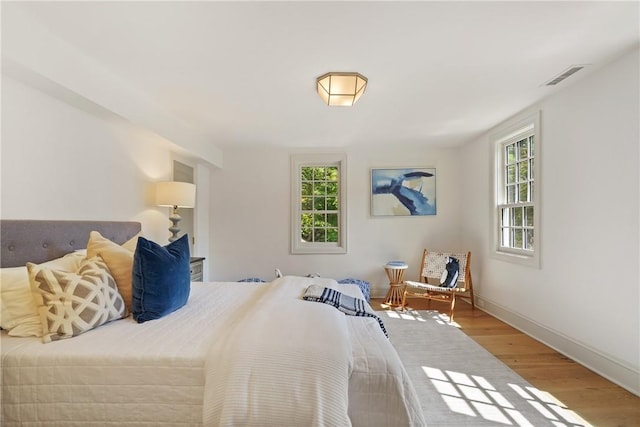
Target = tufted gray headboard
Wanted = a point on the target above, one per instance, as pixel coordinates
(38, 241)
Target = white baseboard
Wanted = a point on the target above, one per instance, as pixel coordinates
(616, 371)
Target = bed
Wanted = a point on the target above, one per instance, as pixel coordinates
(235, 354)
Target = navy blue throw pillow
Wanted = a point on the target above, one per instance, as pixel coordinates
(161, 278)
(449, 277)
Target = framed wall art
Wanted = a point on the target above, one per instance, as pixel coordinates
(403, 192)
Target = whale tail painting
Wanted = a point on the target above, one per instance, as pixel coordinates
(413, 191)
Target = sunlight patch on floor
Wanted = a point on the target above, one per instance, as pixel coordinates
(404, 315)
(492, 413)
(475, 396)
(410, 314)
(471, 395)
(553, 409)
(459, 405)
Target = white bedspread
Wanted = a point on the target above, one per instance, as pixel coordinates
(148, 374)
(249, 351)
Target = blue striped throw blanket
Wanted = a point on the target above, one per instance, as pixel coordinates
(346, 304)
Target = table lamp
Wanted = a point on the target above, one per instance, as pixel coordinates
(176, 195)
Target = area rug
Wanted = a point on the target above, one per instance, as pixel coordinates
(460, 383)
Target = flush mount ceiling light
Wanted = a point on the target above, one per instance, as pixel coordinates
(343, 89)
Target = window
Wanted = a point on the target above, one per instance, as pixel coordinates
(517, 207)
(318, 204)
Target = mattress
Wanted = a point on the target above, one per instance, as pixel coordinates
(153, 374)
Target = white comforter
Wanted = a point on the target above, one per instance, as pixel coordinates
(285, 360)
(237, 354)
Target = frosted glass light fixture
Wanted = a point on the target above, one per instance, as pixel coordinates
(176, 195)
(341, 89)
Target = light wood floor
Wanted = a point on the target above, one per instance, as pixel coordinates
(595, 399)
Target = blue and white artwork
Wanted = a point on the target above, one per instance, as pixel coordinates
(403, 192)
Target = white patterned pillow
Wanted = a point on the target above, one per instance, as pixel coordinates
(72, 303)
(18, 311)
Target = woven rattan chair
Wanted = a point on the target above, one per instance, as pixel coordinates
(433, 264)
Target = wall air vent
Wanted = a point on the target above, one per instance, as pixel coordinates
(570, 71)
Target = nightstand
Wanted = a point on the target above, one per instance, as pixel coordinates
(196, 268)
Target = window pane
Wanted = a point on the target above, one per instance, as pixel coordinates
(528, 214)
(332, 173)
(517, 217)
(505, 218)
(511, 194)
(318, 174)
(523, 168)
(523, 149)
(332, 204)
(319, 220)
(332, 235)
(529, 241)
(332, 220)
(332, 188)
(307, 188)
(307, 227)
(511, 174)
(524, 192)
(320, 189)
(517, 238)
(511, 153)
(531, 168)
(531, 146)
(319, 235)
(306, 203)
(506, 237)
(307, 173)
(319, 203)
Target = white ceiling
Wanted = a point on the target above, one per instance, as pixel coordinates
(243, 73)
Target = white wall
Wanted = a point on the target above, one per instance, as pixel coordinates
(584, 300)
(60, 162)
(251, 211)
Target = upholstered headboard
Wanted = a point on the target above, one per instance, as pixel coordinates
(38, 241)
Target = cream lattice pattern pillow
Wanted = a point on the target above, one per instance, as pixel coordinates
(72, 303)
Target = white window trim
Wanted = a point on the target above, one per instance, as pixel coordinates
(312, 159)
(497, 138)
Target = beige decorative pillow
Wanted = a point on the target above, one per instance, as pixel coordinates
(18, 311)
(17, 308)
(118, 258)
(72, 303)
(131, 243)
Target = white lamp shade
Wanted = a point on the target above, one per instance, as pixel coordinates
(173, 193)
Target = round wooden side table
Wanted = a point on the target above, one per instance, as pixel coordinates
(395, 273)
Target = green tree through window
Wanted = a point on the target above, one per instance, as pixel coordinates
(319, 204)
(516, 219)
